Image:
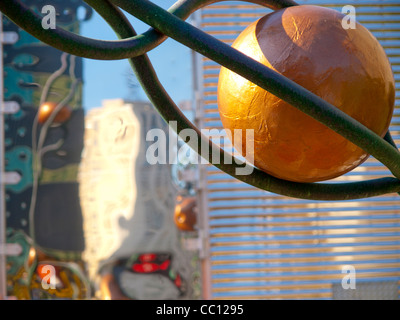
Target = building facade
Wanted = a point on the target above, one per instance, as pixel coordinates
(260, 245)
(42, 207)
(128, 205)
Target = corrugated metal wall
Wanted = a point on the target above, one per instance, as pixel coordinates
(266, 246)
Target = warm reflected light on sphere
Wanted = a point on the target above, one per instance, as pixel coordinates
(47, 108)
(346, 67)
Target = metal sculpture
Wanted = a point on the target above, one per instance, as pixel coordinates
(171, 24)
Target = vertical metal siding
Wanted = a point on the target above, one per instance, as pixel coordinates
(267, 246)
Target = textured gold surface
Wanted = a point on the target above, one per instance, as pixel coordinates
(347, 68)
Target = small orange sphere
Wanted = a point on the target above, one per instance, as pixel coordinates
(44, 270)
(346, 67)
(185, 215)
(32, 256)
(47, 108)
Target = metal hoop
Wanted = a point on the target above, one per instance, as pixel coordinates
(171, 24)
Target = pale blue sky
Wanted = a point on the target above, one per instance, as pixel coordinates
(108, 79)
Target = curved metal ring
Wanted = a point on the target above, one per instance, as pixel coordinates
(170, 112)
(124, 48)
(172, 26)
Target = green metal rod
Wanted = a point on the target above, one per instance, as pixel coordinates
(72, 43)
(389, 139)
(170, 112)
(266, 78)
(124, 48)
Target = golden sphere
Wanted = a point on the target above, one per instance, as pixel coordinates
(185, 216)
(47, 108)
(346, 67)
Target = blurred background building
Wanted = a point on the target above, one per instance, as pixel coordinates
(260, 245)
(42, 206)
(122, 208)
(129, 204)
